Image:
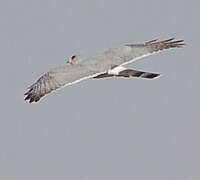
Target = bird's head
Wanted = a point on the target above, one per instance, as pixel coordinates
(71, 59)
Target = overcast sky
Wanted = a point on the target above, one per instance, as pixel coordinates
(110, 129)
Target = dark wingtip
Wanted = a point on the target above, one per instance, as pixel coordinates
(152, 41)
(27, 97)
(152, 76)
(168, 40)
(172, 41)
(31, 100)
(30, 96)
(175, 43)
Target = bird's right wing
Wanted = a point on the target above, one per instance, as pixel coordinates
(58, 78)
(132, 52)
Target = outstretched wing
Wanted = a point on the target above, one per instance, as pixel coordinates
(132, 52)
(136, 73)
(58, 78)
(121, 71)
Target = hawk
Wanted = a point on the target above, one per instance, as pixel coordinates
(110, 63)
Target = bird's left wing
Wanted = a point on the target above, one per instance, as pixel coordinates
(121, 71)
(58, 78)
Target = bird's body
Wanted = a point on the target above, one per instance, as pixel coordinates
(107, 64)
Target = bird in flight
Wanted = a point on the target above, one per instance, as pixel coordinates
(110, 63)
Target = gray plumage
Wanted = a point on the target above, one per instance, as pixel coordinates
(99, 66)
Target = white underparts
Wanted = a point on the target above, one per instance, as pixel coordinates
(116, 70)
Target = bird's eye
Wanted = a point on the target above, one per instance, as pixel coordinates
(73, 57)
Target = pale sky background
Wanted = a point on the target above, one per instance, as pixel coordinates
(109, 129)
